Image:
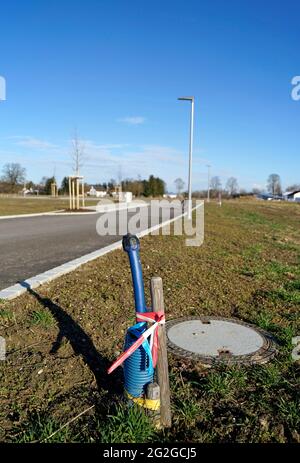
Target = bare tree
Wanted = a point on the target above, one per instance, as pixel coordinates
(78, 152)
(294, 187)
(215, 184)
(179, 183)
(232, 186)
(13, 174)
(274, 184)
(120, 176)
(256, 190)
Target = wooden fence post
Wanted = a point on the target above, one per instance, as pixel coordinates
(157, 298)
(153, 393)
(70, 193)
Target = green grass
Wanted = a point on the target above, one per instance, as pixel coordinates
(245, 270)
(39, 428)
(265, 321)
(15, 206)
(43, 318)
(257, 219)
(289, 411)
(6, 314)
(224, 383)
(129, 424)
(285, 294)
(253, 251)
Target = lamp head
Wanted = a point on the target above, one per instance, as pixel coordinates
(186, 98)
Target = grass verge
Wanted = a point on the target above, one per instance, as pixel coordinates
(62, 337)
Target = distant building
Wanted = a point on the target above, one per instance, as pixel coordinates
(30, 191)
(170, 195)
(97, 194)
(269, 197)
(125, 196)
(292, 195)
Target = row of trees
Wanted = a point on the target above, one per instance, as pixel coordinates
(13, 180)
(14, 175)
(231, 188)
(154, 186)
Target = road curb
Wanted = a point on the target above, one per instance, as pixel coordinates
(25, 216)
(20, 288)
(61, 213)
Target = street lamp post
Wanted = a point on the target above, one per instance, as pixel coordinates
(191, 99)
(208, 183)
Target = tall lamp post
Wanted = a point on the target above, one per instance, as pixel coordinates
(208, 183)
(191, 99)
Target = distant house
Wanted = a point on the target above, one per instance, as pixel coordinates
(292, 195)
(97, 194)
(170, 195)
(125, 196)
(264, 196)
(269, 197)
(30, 191)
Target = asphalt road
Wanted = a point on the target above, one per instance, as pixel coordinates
(30, 246)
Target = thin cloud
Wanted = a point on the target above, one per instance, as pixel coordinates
(132, 120)
(36, 143)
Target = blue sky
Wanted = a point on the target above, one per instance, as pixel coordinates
(114, 70)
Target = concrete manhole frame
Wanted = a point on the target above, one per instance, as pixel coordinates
(261, 356)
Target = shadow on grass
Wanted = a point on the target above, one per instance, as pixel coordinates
(81, 344)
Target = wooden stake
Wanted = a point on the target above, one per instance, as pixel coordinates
(153, 393)
(70, 193)
(73, 194)
(83, 202)
(77, 194)
(157, 298)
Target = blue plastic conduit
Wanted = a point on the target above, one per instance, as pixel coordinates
(138, 368)
(131, 245)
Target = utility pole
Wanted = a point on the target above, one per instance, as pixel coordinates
(191, 99)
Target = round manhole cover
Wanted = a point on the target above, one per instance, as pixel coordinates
(215, 340)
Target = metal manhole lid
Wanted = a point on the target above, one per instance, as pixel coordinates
(218, 340)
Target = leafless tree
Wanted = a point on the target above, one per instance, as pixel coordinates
(215, 184)
(274, 184)
(179, 183)
(294, 187)
(232, 186)
(13, 174)
(78, 152)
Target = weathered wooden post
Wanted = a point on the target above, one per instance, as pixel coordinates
(83, 202)
(77, 193)
(162, 372)
(70, 193)
(153, 394)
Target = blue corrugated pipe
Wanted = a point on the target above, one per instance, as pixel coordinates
(138, 368)
(131, 245)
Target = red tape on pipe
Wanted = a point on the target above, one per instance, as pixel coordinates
(157, 318)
